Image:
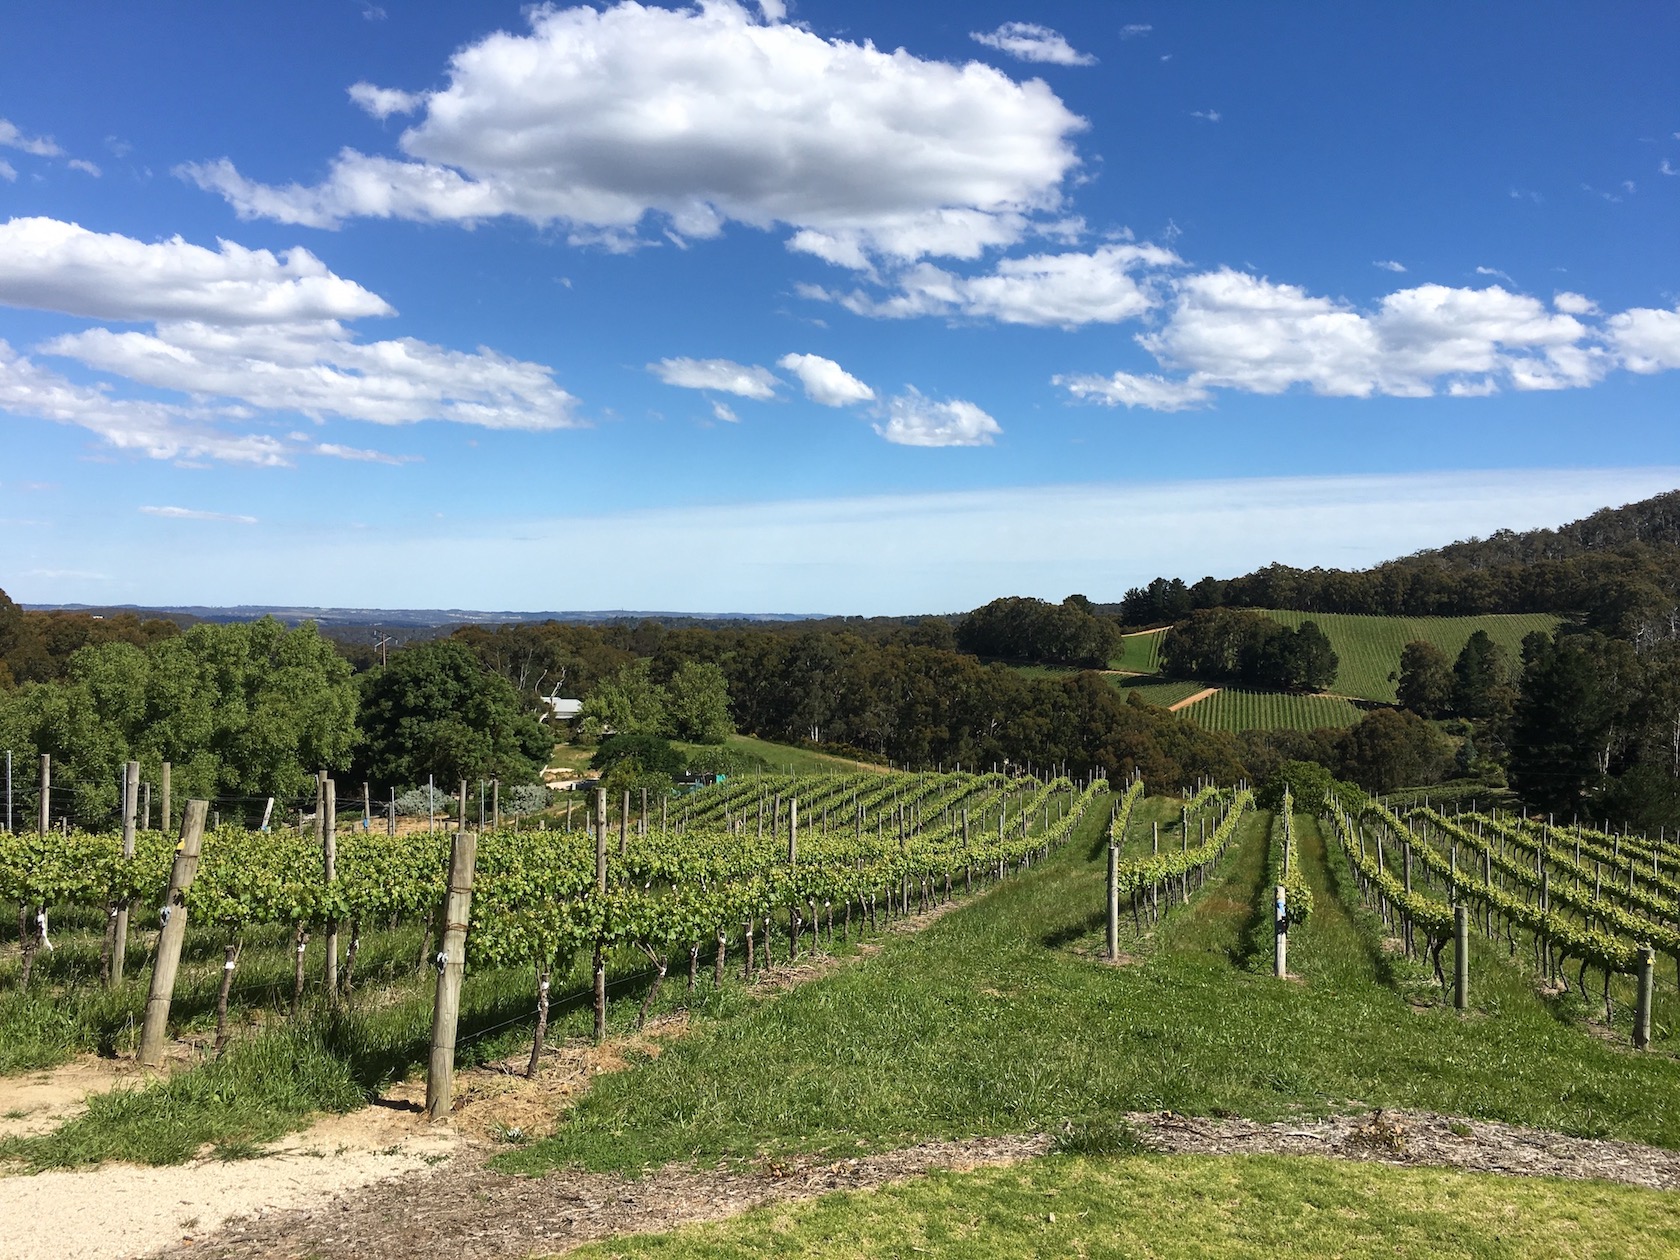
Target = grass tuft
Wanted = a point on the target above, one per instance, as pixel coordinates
(263, 1088)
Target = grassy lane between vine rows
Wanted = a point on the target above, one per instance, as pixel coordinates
(1182, 1206)
(1000, 1019)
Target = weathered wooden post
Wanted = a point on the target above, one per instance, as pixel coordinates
(624, 826)
(793, 831)
(1461, 957)
(328, 827)
(600, 893)
(119, 942)
(1642, 1006)
(1113, 901)
(154, 1031)
(1280, 959)
(46, 793)
(451, 964)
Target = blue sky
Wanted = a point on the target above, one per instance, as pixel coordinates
(832, 307)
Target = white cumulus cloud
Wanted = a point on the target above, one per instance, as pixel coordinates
(243, 338)
(599, 119)
(825, 381)
(321, 371)
(1226, 329)
(138, 426)
(1032, 42)
(723, 375)
(915, 420)
(1574, 304)
(383, 102)
(52, 265)
(1647, 340)
(1065, 290)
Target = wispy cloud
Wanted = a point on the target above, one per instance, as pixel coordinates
(40, 146)
(1135, 30)
(334, 451)
(1031, 42)
(1388, 264)
(1206, 115)
(195, 514)
(722, 375)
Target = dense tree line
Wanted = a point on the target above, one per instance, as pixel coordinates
(244, 710)
(1240, 646)
(1385, 750)
(1020, 629)
(37, 646)
(1618, 569)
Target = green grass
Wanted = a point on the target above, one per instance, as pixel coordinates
(1140, 652)
(999, 1019)
(263, 1088)
(573, 758)
(785, 759)
(1233, 710)
(1369, 646)
(1183, 1206)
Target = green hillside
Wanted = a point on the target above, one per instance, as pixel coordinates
(1369, 647)
(1140, 653)
(1229, 710)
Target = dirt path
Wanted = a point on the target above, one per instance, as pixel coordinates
(465, 1211)
(1190, 700)
(120, 1211)
(39, 1101)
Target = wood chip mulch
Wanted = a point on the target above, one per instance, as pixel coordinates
(464, 1211)
(1419, 1138)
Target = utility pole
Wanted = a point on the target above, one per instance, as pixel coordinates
(381, 640)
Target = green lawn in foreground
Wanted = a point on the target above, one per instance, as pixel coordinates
(1369, 647)
(999, 1019)
(1183, 1206)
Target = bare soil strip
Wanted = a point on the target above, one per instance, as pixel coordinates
(464, 1211)
(1422, 1138)
(467, 1211)
(120, 1211)
(1190, 700)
